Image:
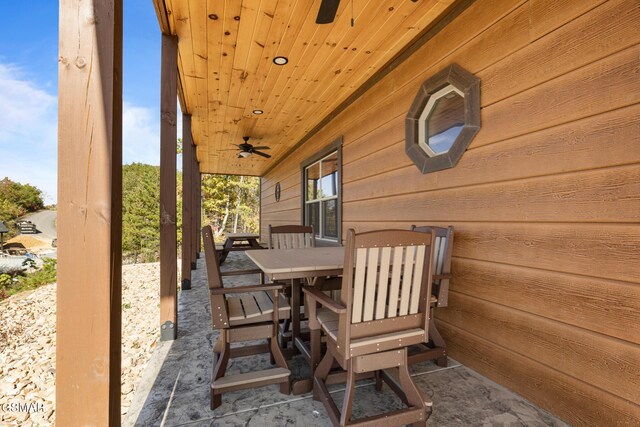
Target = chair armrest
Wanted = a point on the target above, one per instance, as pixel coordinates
(247, 288)
(240, 272)
(323, 299)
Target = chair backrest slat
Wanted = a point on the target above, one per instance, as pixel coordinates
(385, 263)
(291, 237)
(407, 279)
(416, 283)
(358, 290)
(394, 291)
(371, 284)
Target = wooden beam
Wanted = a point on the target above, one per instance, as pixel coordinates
(168, 146)
(198, 210)
(195, 212)
(188, 175)
(89, 213)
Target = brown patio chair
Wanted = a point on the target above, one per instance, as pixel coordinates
(375, 321)
(436, 348)
(291, 237)
(243, 313)
(296, 236)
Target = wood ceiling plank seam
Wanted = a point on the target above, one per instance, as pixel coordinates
(231, 27)
(186, 68)
(279, 14)
(348, 38)
(406, 37)
(283, 49)
(292, 52)
(246, 35)
(198, 23)
(279, 20)
(304, 52)
(394, 21)
(262, 26)
(214, 55)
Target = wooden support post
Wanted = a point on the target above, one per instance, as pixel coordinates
(188, 175)
(168, 146)
(198, 210)
(194, 212)
(89, 288)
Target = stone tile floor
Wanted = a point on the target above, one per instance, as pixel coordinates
(174, 390)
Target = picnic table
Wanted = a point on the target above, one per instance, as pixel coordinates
(238, 242)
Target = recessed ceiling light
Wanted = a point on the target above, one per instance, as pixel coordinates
(258, 112)
(280, 60)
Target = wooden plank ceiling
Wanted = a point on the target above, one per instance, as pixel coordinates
(226, 50)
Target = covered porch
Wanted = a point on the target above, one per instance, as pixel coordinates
(174, 390)
(539, 180)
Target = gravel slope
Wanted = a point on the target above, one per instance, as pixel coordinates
(28, 341)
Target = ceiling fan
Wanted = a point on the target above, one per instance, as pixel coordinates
(247, 149)
(328, 10)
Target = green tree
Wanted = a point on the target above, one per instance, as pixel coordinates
(141, 212)
(231, 203)
(17, 200)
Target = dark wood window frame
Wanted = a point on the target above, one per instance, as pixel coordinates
(465, 82)
(335, 146)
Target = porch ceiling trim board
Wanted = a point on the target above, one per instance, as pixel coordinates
(225, 54)
(89, 213)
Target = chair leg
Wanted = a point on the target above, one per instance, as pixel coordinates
(347, 402)
(438, 341)
(411, 392)
(378, 377)
(220, 367)
(278, 358)
(321, 373)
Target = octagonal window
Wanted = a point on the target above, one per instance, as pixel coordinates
(443, 119)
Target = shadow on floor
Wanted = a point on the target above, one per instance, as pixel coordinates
(174, 390)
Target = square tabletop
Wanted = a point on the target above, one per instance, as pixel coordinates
(299, 263)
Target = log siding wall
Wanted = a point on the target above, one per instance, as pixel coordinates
(545, 295)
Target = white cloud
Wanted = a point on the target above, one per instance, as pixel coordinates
(28, 132)
(141, 134)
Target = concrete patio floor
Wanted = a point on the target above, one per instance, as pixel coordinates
(174, 389)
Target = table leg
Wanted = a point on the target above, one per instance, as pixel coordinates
(225, 249)
(295, 309)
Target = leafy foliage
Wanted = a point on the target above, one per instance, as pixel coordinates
(17, 200)
(231, 203)
(140, 212)
(16, 281)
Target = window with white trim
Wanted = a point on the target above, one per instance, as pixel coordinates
(322, 196)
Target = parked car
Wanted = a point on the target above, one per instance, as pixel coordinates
(26, 226)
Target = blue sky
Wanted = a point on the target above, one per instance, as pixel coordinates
(29, 86)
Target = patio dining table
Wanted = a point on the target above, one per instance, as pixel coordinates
(297, 265)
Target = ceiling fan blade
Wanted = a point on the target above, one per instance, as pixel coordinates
(260, 153)
(327, 12)
(262, 147)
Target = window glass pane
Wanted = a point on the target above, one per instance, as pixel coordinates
(329, 186)
(445, 122)
(330, 218)
(313, 216)
(313, 179)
